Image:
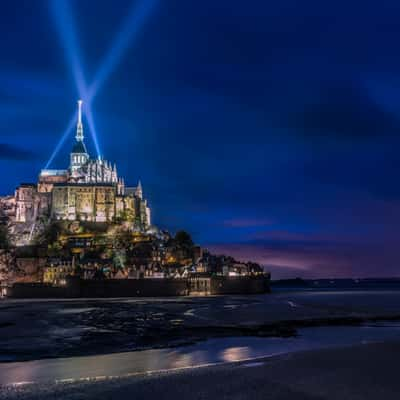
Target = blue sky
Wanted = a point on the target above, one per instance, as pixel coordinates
(269, 130)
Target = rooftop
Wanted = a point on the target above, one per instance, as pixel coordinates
(79, 147)
(53, 172)
(108, 184)
(27, 185)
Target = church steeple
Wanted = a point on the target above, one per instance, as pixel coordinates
(79, 126)
(79, 155)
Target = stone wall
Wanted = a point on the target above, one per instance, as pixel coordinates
(130, 287)
(36, 291)
(29, 269)
(76, 287)
(238, 285)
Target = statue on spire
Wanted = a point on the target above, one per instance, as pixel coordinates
(79, 126)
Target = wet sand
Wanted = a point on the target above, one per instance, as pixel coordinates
(35, 329)
(367, 371)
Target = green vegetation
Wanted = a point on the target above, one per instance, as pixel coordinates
(49, 235)
(125, 216)
(181, 246)
(183, 240)
(123, 239)
(5, 240)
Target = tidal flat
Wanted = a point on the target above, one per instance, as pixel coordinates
(37, 329)
(302, 344)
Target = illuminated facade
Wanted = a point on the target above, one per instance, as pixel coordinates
(89, 190)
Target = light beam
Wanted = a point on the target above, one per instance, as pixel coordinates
(64, 22)
(62, 14)
(92, 128)
(133, 23)
(64, 136)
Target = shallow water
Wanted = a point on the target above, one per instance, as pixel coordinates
(210, 352)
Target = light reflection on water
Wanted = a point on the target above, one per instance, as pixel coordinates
(235, 354)
(212, 351)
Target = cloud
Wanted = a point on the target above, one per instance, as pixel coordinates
(11, 152)
(247, 222)
(314, 256)
(346, 111)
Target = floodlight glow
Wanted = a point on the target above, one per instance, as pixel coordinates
(136, 18)
(65, 26)
(92, 128)
(64, 23)
(67, 131)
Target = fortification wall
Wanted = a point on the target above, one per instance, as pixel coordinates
(77, 287)
(238, 285)
(36, 291)
(132, 288)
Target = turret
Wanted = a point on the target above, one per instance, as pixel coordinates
(139, 191)
(114, 176)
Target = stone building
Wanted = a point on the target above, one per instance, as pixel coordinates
(89, 190)
(30, 203)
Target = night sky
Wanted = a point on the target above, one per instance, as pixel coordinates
(268, 130)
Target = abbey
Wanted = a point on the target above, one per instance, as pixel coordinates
(89, 190)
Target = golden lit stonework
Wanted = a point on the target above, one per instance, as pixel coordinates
(88, 190)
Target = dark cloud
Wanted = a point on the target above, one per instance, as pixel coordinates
(11, 152)
(313, 258)
(344, 111)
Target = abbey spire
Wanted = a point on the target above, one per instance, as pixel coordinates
(79, 126)
(79, 155)
(89, 190)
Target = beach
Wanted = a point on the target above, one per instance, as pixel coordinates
(359, 372)
(289, 344)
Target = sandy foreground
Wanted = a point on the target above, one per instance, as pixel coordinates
(359, 372)
(48, 329)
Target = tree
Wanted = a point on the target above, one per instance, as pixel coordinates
(8, 265)
(49, 235)
(119, 259)
(123, 239)
(182, 246)
(183, 240)
(5, 241)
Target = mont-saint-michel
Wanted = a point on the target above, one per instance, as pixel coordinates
(90, 190)
(218, 218)
(83, 231)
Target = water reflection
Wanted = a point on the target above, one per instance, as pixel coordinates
(193, 358)
(236, 354)
(204, 353)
